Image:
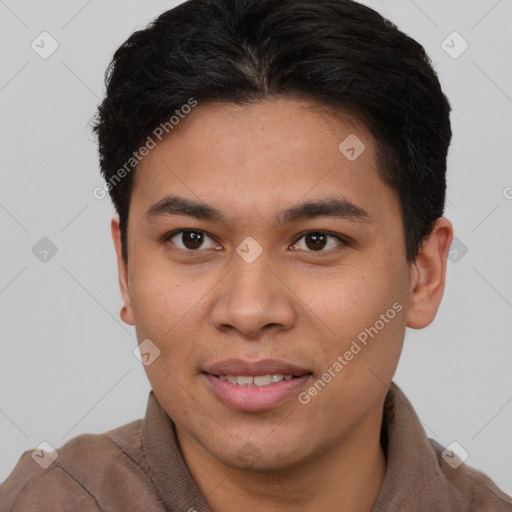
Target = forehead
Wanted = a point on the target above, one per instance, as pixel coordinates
(258, 156)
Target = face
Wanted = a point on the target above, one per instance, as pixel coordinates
(260, 250)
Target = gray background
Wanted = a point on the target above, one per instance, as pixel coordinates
(67, 364)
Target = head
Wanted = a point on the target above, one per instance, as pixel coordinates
(278, 171)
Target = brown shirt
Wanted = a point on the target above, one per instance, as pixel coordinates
(138, 467)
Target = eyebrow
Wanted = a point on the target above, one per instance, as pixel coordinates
(329, 207)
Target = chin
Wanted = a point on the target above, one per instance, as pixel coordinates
(261, 458)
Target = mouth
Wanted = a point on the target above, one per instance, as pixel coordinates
(255, 386)
(257, 380)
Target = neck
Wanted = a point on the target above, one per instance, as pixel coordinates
(349, 475)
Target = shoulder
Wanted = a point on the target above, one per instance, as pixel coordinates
(87, 467)
(26, 489)
(469, 485)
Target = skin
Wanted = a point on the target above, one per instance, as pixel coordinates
(300, 303)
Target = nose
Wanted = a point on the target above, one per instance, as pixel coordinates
(253, 300)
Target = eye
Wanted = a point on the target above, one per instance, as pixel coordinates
(191, 240)
(318, 241)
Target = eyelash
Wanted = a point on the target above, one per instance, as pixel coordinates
(344, 241)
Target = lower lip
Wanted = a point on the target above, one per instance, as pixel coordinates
(255, 398)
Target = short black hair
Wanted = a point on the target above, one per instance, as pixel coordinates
(338, 53)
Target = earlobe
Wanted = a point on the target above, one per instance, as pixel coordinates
(429, 275)
(122, 268)
(125, 317)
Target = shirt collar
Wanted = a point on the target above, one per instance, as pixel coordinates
(171, 475)
(413, 480)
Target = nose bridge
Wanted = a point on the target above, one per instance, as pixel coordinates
(252, 298)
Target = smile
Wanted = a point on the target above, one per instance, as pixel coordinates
(258, 380)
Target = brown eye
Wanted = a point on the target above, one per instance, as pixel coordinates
(191, 239)
(317, 241)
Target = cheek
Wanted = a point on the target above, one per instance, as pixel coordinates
(349, 300)
(159, 311)
(359, 306)
(169, 310)
(161, 297)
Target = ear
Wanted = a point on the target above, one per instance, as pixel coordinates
(429, 275)
(122, 268)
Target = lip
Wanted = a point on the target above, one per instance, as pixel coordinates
(253, 368)
(255, 398)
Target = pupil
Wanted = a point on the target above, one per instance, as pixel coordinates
(192, 239)
(317, 239)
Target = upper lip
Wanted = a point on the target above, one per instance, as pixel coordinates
(254, 368)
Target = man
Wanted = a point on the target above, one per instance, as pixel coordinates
(278, 170)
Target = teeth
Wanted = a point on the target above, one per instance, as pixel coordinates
(259, 380)
(244, 380)
(263, 380)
